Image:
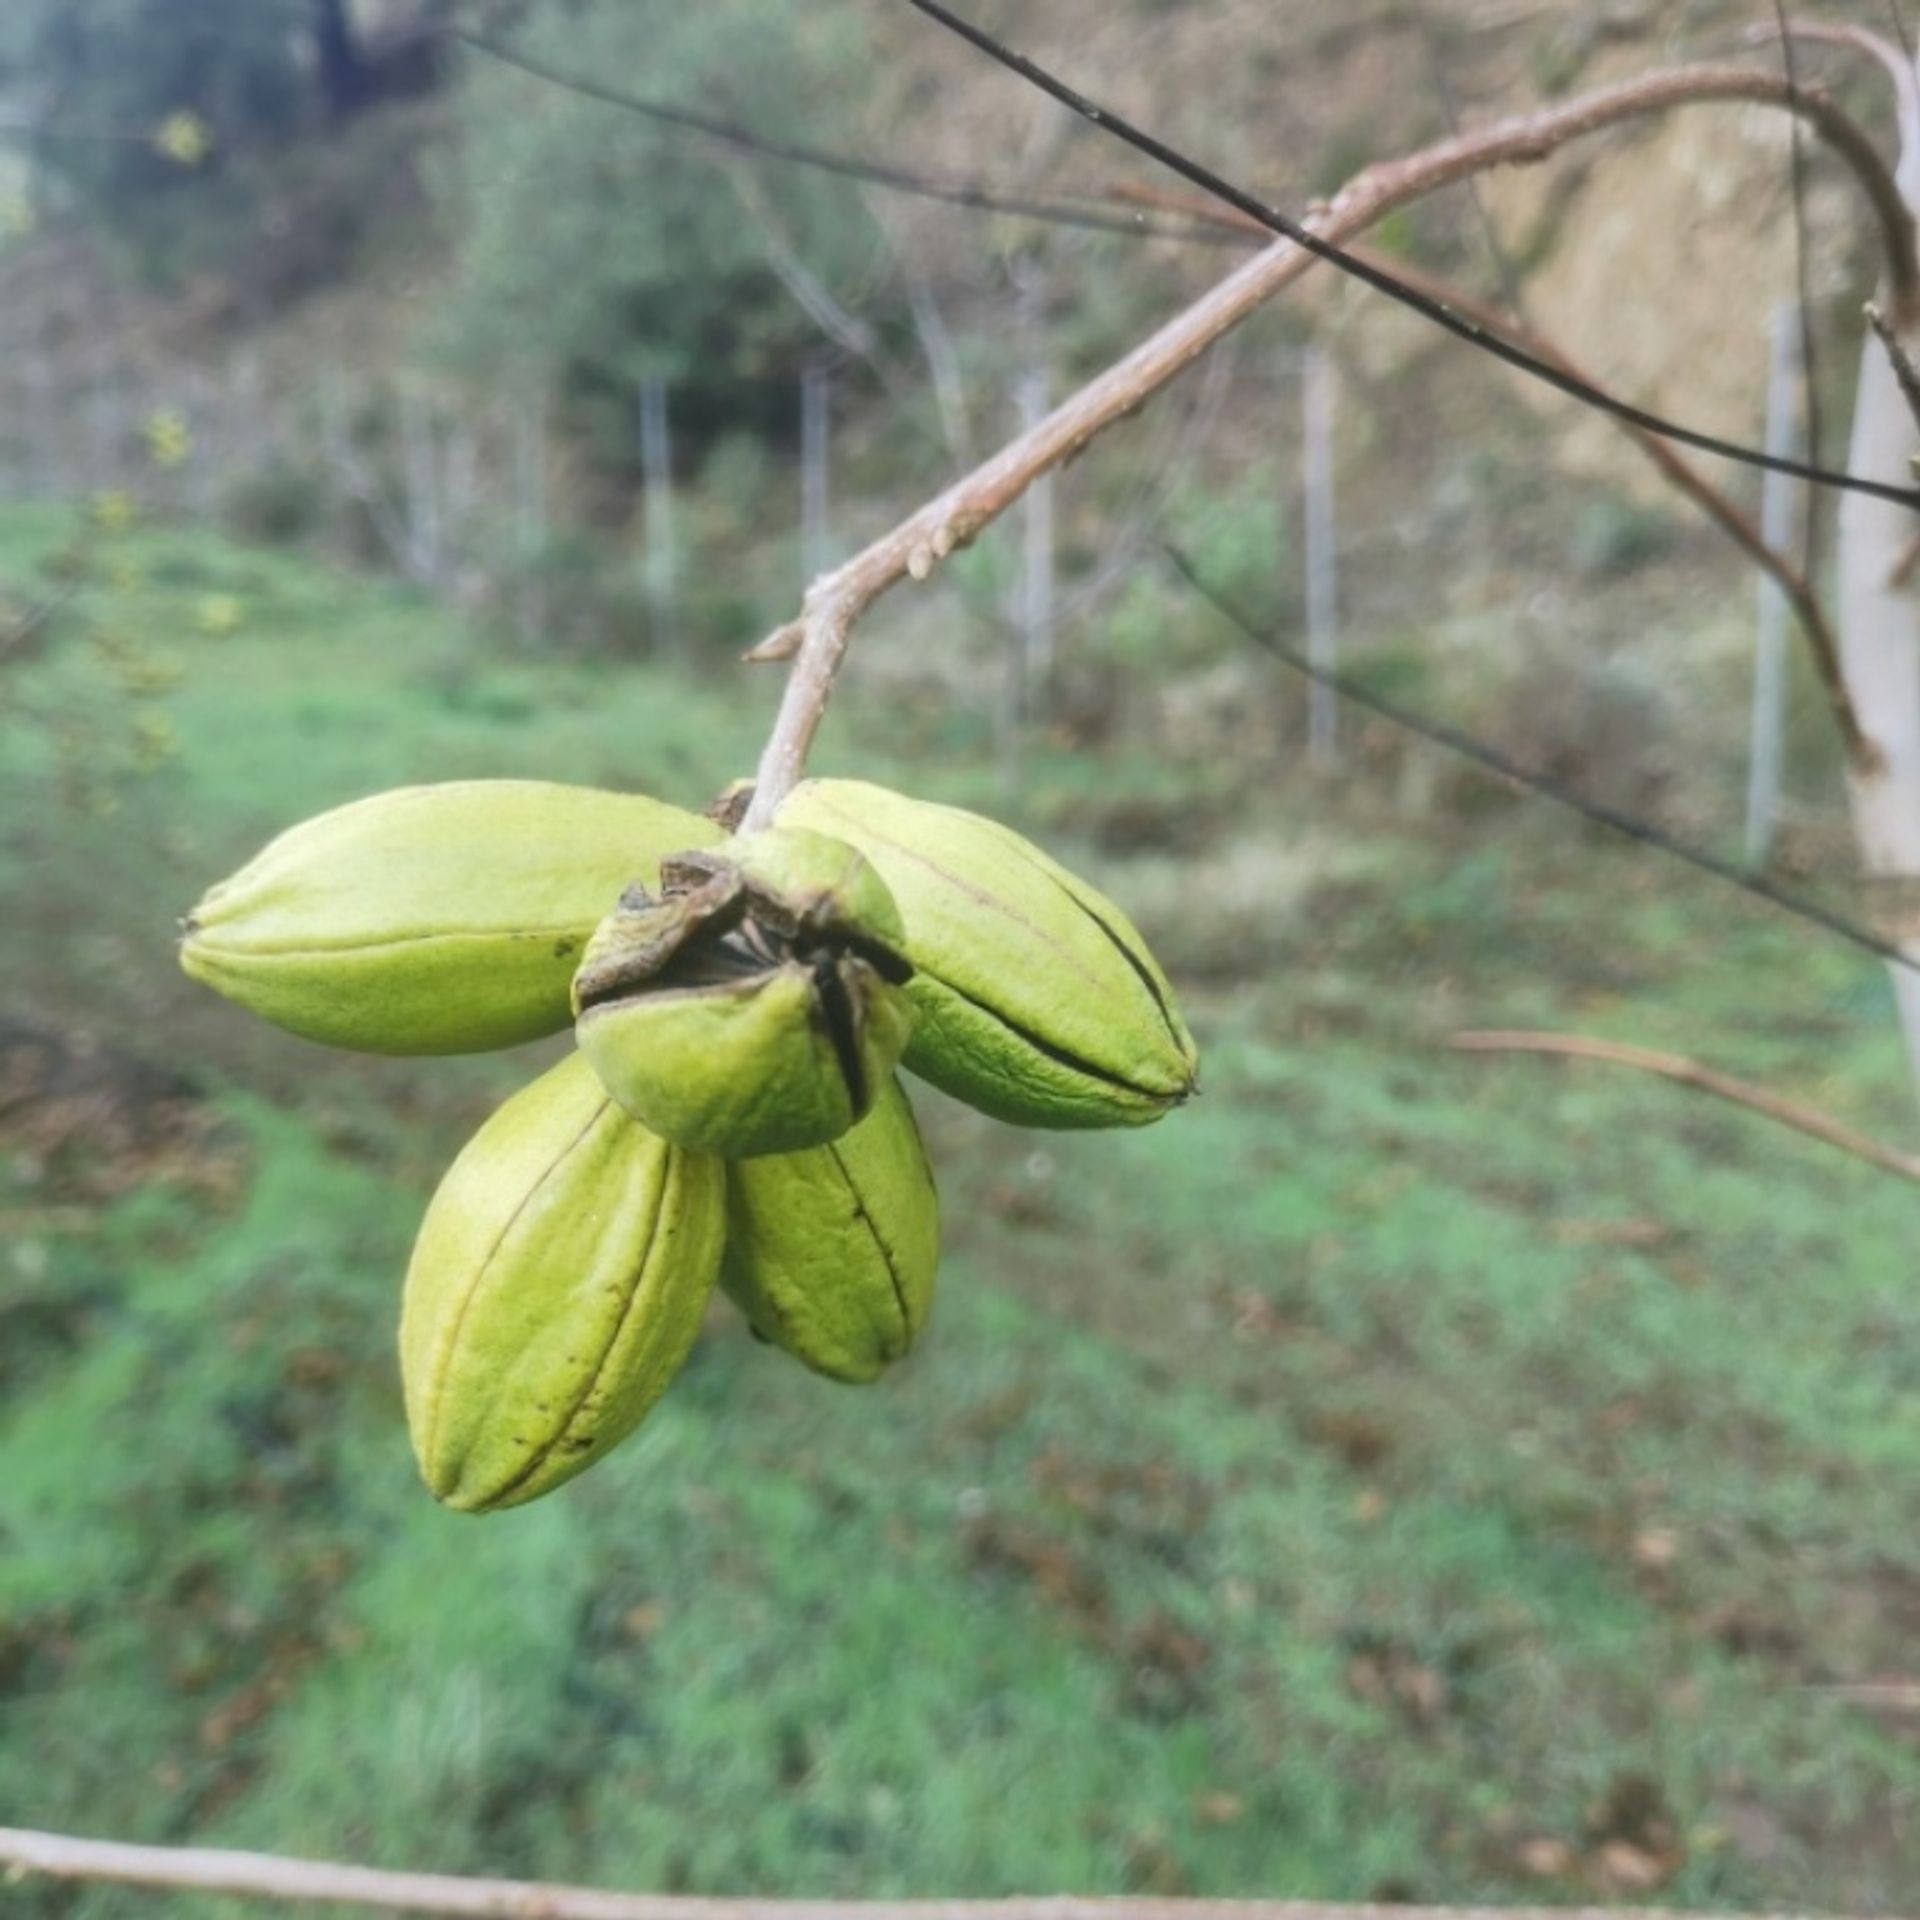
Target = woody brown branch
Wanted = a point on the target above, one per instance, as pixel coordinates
(1686, 478)
(1675, 467)
(270, 1877)
(816, 643)
(1899, 69)
(1902, 362)
(1907, 565)
(1677, 1067)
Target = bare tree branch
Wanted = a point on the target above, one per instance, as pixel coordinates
(1676, 468)
(1109, 120)
(264, 1876)
(21, 631)
(1904, 370)
(810, 293)
(942, 357)
(1674, 1066)
(1731, 519)
(816, 643)
(1891, 1696)
(1906, 84)
(1903, 569)
(1055, 209)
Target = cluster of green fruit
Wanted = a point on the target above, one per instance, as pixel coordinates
(732, 1112)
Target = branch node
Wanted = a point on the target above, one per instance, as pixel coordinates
(781, 644)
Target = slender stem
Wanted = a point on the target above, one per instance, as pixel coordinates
(817, 641)
(1899, 69)
(264, 1876)
(1908, 563)
(1904, 369)
(1674, 1066)
(1734, 521)
(14, 637)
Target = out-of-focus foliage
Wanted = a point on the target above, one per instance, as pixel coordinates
(109, 76)
(616, 248)
(149, 112)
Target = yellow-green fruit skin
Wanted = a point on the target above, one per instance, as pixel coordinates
(743, 1074)
(831, 1253)
(431, 920)
(1036, 999)
(558, 1281)
(754, 1008)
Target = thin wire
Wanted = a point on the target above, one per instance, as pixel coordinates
(1382, 281)
(959, 193)
(1494, 761)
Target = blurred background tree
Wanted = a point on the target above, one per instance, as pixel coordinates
(141, 99)
(613, 249)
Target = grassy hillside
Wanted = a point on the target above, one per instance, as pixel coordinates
(1396, 1476)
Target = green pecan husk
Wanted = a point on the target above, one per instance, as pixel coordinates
(433, 919)
(831, 1253)
(556, 1286)
(754, 1004)
(1037, 1000)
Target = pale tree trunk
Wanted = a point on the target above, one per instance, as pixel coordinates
(1880, 634)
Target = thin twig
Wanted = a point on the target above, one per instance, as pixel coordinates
(1892, 1696)
(1054, 209)
(941, 355)
(1804, 302)
(851, 334)
(1680, 472)
(1675, 1066)
(1861, 40)
(1734, 521)
(1904, 370)
(22, 630)
(1484, 753)
(1906, 565)
(270, 1877)
(1108, 120)
(816, 642)
(1503, 265)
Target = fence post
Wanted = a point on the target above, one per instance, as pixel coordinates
(1323, 581)
(656, 466)
(1037, 593)
(204, 471)
(816, 427)
(1777, 501)
(246, 423)
(530, 511)
(458, 459)
(943, 366)
(105, 426)
(336, 448)
(49, 480)
(420, 464)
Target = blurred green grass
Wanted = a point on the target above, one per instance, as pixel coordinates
(1398, 1475)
